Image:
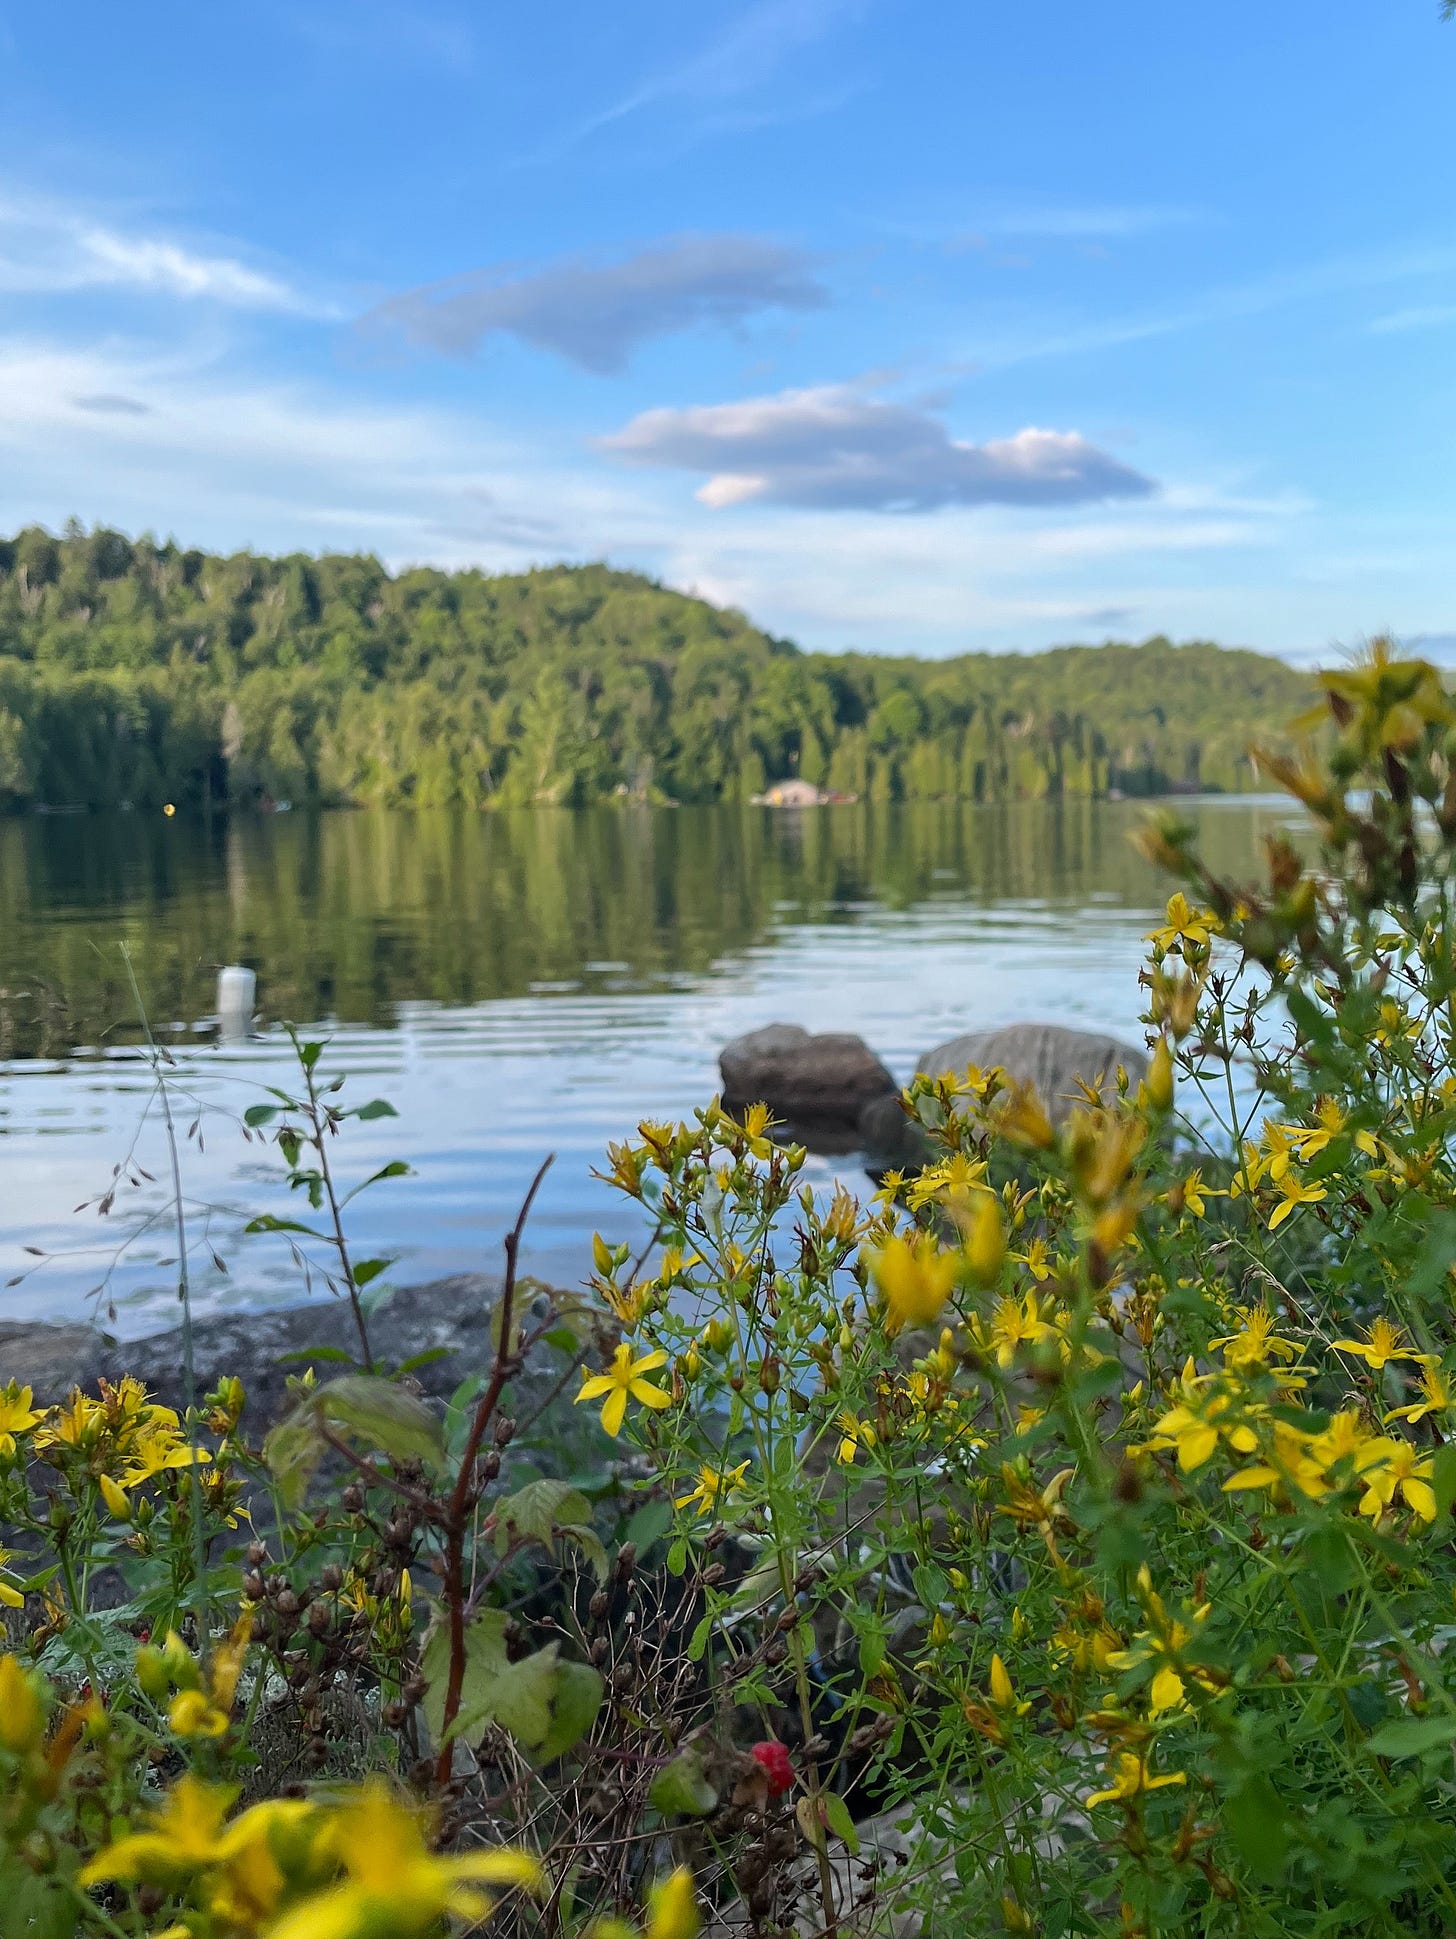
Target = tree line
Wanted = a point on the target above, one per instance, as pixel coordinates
(133, 671)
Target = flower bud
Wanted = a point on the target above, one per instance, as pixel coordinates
(986, 1241)
(1160, 1077)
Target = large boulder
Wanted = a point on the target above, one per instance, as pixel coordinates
(805, 1080)
(1051, 1058)
(1046, 1055)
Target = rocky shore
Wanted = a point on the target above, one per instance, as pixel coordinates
(450, 1317)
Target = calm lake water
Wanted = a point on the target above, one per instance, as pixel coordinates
(514, 985)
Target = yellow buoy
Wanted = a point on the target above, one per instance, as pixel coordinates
(169, 809)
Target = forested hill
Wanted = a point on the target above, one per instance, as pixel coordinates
(132, 671)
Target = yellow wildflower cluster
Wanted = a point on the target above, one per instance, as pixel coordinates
(1279, 1456)
(306, 1869)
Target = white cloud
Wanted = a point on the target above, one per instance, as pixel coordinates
(184, 443)
(833, 446)
(49, 249)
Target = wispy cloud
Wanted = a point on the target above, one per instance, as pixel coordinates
(378, 30)
(741, 60)
(1428, 316)
(1033, 221)
(1300, 284)
(47, 248)
(833, 447)
(596, 314)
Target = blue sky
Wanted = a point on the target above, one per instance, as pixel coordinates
(907, 324)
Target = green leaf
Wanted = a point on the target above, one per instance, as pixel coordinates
(1255, 1820)
(396, 1168)
(1412, 1736)
(309, 1054)
(368, 1269)
(681, 1788)
(257, 1114)
(698, 1641)
(534, 1512)
(384, 1415)
(575, 1701)
(547, 1705)
(292, 1451)
(677, 1556)
(871, 1644)
(485, 1658)
(425, 1359)
(266, 1222)
(377, 1107)
(649, 1524)
(523, 1697)
(318, 1353)
(836, 1811)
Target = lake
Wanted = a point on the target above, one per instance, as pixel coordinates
(515, 984)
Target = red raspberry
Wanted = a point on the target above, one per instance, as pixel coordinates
(774, 1758)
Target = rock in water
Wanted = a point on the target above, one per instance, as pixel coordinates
(805, 1080)
(1045, 1055)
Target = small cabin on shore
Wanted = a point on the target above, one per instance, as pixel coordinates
(793, 793)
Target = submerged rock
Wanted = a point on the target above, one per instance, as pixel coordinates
(807, 1080)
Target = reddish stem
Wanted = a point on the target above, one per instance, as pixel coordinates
(462, 1498)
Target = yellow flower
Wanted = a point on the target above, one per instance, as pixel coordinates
(22, 1718)
(1390, 1468)
(1015, 1323)
(1295, 1460)
(1382, 1344)
(1130, 1780)
(1036, 1259)
(185, 1837)
(393, 1882)
(855, 1434)
(624, 1379)
(672, 1913)
(9, 1594)
(1164, 1643)
(199, 1712)
(1183, 924)
(915, 1279)
(672, 1908)
(714, 1485)
(155, 1451)
(1437, 1399)
(1196, 1194)
(1396, 1024)
(17, 1416)
(1196, 1424)
(1256, 1344)
(1293, 1191)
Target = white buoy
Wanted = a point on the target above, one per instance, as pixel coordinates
(237, 993)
